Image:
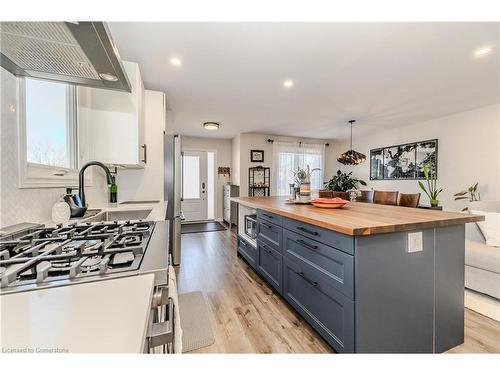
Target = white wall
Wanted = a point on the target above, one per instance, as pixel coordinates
(222, 147)
(26, 205)
(17, 205)
(251, 141)
(468, 152)
(35, 205)
(147, 183)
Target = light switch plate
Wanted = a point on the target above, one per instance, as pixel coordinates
(415, 242)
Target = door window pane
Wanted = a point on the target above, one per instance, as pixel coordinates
(48, 125)
(191, 177)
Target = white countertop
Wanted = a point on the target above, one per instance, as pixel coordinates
(158, 211)
(98, 317)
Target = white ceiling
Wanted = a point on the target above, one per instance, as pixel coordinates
(382, 74)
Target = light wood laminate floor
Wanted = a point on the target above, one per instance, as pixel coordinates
(249, 317)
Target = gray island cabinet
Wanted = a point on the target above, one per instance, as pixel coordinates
(396, 291)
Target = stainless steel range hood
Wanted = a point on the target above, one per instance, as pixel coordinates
(81, 53)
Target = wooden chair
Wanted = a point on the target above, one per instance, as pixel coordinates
(408, 200)
(333, 194)
(341, 194)
(366, 196)
(386, 197)
(326, 194)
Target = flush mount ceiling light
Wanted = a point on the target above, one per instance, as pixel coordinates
(288, 83)
(483, 51)
(108, 77)
(351, 157)
(175, 61)
(211, 125)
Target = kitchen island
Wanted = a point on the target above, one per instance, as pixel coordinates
(368, 278)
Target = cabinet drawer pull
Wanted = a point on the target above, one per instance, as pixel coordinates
(313, 247)
(268, 226)
(145, 147)
(313, 283)
(266, 248)
(311, 232)
(268, 216)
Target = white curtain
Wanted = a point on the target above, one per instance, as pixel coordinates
(289, 156)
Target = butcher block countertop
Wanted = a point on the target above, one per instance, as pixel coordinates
(360, 219)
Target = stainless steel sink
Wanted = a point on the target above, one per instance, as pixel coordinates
(120, 215)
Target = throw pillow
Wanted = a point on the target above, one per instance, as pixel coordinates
(490, 227)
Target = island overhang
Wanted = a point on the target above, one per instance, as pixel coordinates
(361, 219)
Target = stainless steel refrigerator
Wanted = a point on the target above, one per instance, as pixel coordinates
(173, 193)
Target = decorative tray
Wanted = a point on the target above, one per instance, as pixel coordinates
(298, 201)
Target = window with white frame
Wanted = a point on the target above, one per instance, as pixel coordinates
(288, 157)
(47, 134)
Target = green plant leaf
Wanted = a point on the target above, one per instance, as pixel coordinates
(422, 186)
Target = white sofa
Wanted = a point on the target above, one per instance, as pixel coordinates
(482, 268)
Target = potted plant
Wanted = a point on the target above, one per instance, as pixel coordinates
(342, 182)
(431, 189)
(303, 179)
(472, 194)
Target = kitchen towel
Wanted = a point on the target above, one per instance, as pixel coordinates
(172, 291)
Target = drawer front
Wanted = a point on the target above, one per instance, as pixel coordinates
(270, 265)
(269, 216)
(270, 233)
(334, 265)
(331, 313)
(248, 252)
(337, 240)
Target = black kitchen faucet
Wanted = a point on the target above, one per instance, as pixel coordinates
(81, 206)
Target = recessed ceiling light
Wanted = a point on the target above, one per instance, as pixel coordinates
(211, 125)
(108, 77)
(175, 61)
(483, 51)
(288, 83)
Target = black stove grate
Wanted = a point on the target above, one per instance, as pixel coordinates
(73, 251)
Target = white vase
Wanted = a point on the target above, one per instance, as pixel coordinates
(61, 212)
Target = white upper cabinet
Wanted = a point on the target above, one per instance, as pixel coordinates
(114, 122)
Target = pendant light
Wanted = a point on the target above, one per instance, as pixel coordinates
(351, 157)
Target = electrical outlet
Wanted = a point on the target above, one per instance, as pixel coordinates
(415, 242)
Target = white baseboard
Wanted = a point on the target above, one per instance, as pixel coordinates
(483, 304)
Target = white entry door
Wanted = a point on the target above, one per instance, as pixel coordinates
(194, 185)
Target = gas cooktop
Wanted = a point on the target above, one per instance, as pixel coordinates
(47, 256)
